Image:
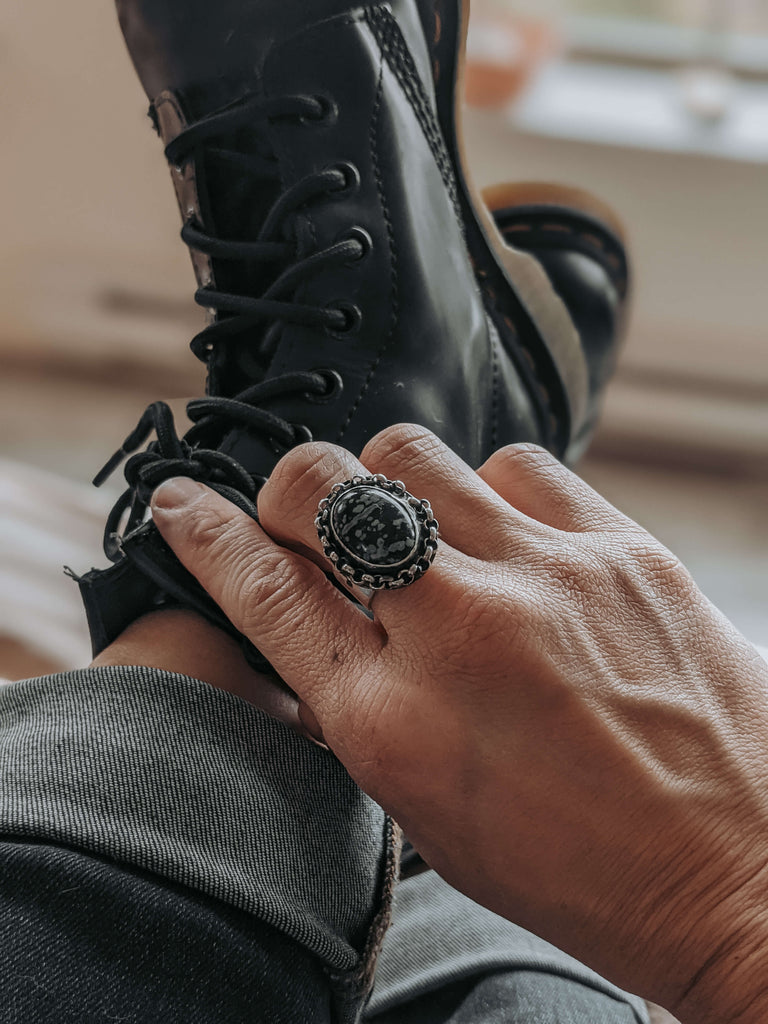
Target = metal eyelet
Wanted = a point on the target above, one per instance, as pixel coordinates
(335, 385)
(353, 317)
(329, 111)
(360, 235)
(351, 177)
(301, 434)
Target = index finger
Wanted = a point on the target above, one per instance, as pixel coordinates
(314, 637)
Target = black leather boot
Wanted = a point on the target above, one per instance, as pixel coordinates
(326, 216)
(580, 243)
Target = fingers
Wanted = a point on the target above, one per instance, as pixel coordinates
(288, 500)
(288, 504)
(533, 481)
(472, 517)
(316, 639)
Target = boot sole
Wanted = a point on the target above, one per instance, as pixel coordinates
(538, 193)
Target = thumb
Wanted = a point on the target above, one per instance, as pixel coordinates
(313, 636)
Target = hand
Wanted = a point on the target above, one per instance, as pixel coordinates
(564, 726)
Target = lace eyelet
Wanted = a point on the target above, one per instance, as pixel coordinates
(353, 318)
(335, 385)
(301, 434)
(360, 235)
(328, 114)
(351, 177)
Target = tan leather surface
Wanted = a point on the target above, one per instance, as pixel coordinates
(171, 122)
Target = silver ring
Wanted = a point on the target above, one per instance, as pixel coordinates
(376, 534)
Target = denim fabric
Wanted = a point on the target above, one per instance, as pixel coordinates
(164, 773)
(445, 959)
(87, 941)
(168, 852)
(513, 997)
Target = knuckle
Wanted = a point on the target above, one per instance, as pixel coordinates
(524, 458)
(574, 572)
(266, 595)
(305, 474)
(207, 527)
(532, 470)
(562, 497)
(401, 446)
(656, 565)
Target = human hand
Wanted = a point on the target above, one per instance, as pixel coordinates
(564, 726)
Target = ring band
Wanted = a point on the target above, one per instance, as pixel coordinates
(376, 534)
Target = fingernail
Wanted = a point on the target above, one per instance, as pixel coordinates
(176, 492)
(310, 723)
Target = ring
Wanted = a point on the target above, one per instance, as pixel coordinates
(376, 534)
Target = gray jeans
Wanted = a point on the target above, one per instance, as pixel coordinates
(169, 853)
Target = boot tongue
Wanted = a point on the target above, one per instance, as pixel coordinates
(194, 58)
(235, 188)
(227, 186)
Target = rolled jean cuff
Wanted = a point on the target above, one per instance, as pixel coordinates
(440, 937)
(165, 773)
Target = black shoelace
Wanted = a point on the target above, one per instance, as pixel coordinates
(259, 319)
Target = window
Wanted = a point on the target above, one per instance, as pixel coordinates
(732, 33)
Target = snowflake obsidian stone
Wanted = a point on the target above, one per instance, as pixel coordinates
(374, 527)
(376, 534)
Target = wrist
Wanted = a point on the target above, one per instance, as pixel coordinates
(179, 640)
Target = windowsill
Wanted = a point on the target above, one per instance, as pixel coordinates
(642, 41)
(642, 109)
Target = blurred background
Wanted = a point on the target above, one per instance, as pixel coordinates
(658, 106)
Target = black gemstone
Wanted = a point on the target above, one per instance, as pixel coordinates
(374, 527)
